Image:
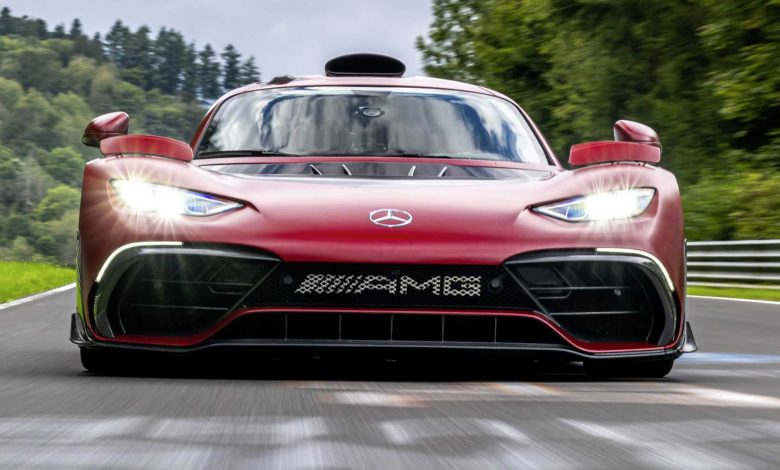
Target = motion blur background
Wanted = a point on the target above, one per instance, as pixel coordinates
(703, 73)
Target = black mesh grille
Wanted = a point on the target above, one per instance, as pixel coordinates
(389, 327)
(376, 285)
(180, 294)
(594, 298)
(597, 300)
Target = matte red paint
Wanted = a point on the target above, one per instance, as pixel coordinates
(631, 131)
(589, 153)
(326, 220)
(105, 126)
(140, 144)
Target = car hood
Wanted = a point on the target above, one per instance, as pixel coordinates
(454, 221)
(435, 209)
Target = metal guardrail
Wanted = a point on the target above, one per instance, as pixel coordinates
(744, 263)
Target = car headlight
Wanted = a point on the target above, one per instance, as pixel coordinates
(612, 205)
(166, 201)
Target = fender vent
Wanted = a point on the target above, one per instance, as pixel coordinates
(365, 65)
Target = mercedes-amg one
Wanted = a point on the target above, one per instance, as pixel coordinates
(362, 211)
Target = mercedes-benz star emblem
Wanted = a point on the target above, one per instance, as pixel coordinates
(390, 217)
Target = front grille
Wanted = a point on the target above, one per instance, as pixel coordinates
(593, 297)
(598, 298)
(181, 293)
(389, 327)
(390, 286)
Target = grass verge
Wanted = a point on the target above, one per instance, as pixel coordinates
(736, 292)
(22, 279)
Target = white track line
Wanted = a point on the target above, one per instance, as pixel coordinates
(34, 297)
(767, 302)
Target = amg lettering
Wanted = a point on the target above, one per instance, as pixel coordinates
(329, 284)
(433, 282)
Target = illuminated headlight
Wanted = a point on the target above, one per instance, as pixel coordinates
(611, 205)
(166, 201)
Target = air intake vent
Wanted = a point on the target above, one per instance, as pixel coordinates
(364, 65)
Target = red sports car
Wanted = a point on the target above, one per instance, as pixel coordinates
(368, 212)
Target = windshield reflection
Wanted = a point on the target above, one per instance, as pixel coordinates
(335, 121)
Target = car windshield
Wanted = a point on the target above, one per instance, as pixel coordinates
(339, 121)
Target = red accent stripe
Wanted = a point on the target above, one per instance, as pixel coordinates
(195, 339)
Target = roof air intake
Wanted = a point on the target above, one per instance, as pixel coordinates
(376, 65)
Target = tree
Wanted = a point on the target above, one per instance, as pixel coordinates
(231, 69)
(742, 38)
(24, 26)
(11, 169)
(73, 114)
(33, 66)
(6, 21)
(189, 83)
(56, 202)
(116, 43)
(138, 59)
(209, 73)
(249, 72)
(169, 50)
(10, 92)
(31, 124)
(75, 29)
(450, 49)
(103, 89)
(77, 76)
(59, 32)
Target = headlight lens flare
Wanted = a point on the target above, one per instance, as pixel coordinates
(613, 205)
(166, 201)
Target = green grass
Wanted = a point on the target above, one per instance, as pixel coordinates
(22, 279)
(736, 292)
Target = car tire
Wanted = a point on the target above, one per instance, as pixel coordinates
(629, 369)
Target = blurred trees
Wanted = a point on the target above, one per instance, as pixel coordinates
(53, 82)
(703, 73)
(209, 71)
(232, 70)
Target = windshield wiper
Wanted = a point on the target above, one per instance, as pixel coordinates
(404, 153)
(246, 153)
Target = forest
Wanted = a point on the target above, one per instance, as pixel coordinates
(702, 73)
(54, 80)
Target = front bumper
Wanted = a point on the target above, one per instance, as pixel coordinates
(580, 304)
(82, 338)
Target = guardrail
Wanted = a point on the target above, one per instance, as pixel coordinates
(744, 263)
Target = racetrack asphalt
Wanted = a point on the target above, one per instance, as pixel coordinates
(719, 408)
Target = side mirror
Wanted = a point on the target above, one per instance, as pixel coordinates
(634, 142)
(146, 145)
(630, 131)
(105, 126)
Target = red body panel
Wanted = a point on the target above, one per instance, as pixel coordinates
(603, 152)
(146, 145)
(307, 219)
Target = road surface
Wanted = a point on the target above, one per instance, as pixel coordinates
(719, 408)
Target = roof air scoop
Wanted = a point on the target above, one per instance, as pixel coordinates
(367, 65)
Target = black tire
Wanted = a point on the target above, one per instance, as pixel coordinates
(629, 369)
(98, 361)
